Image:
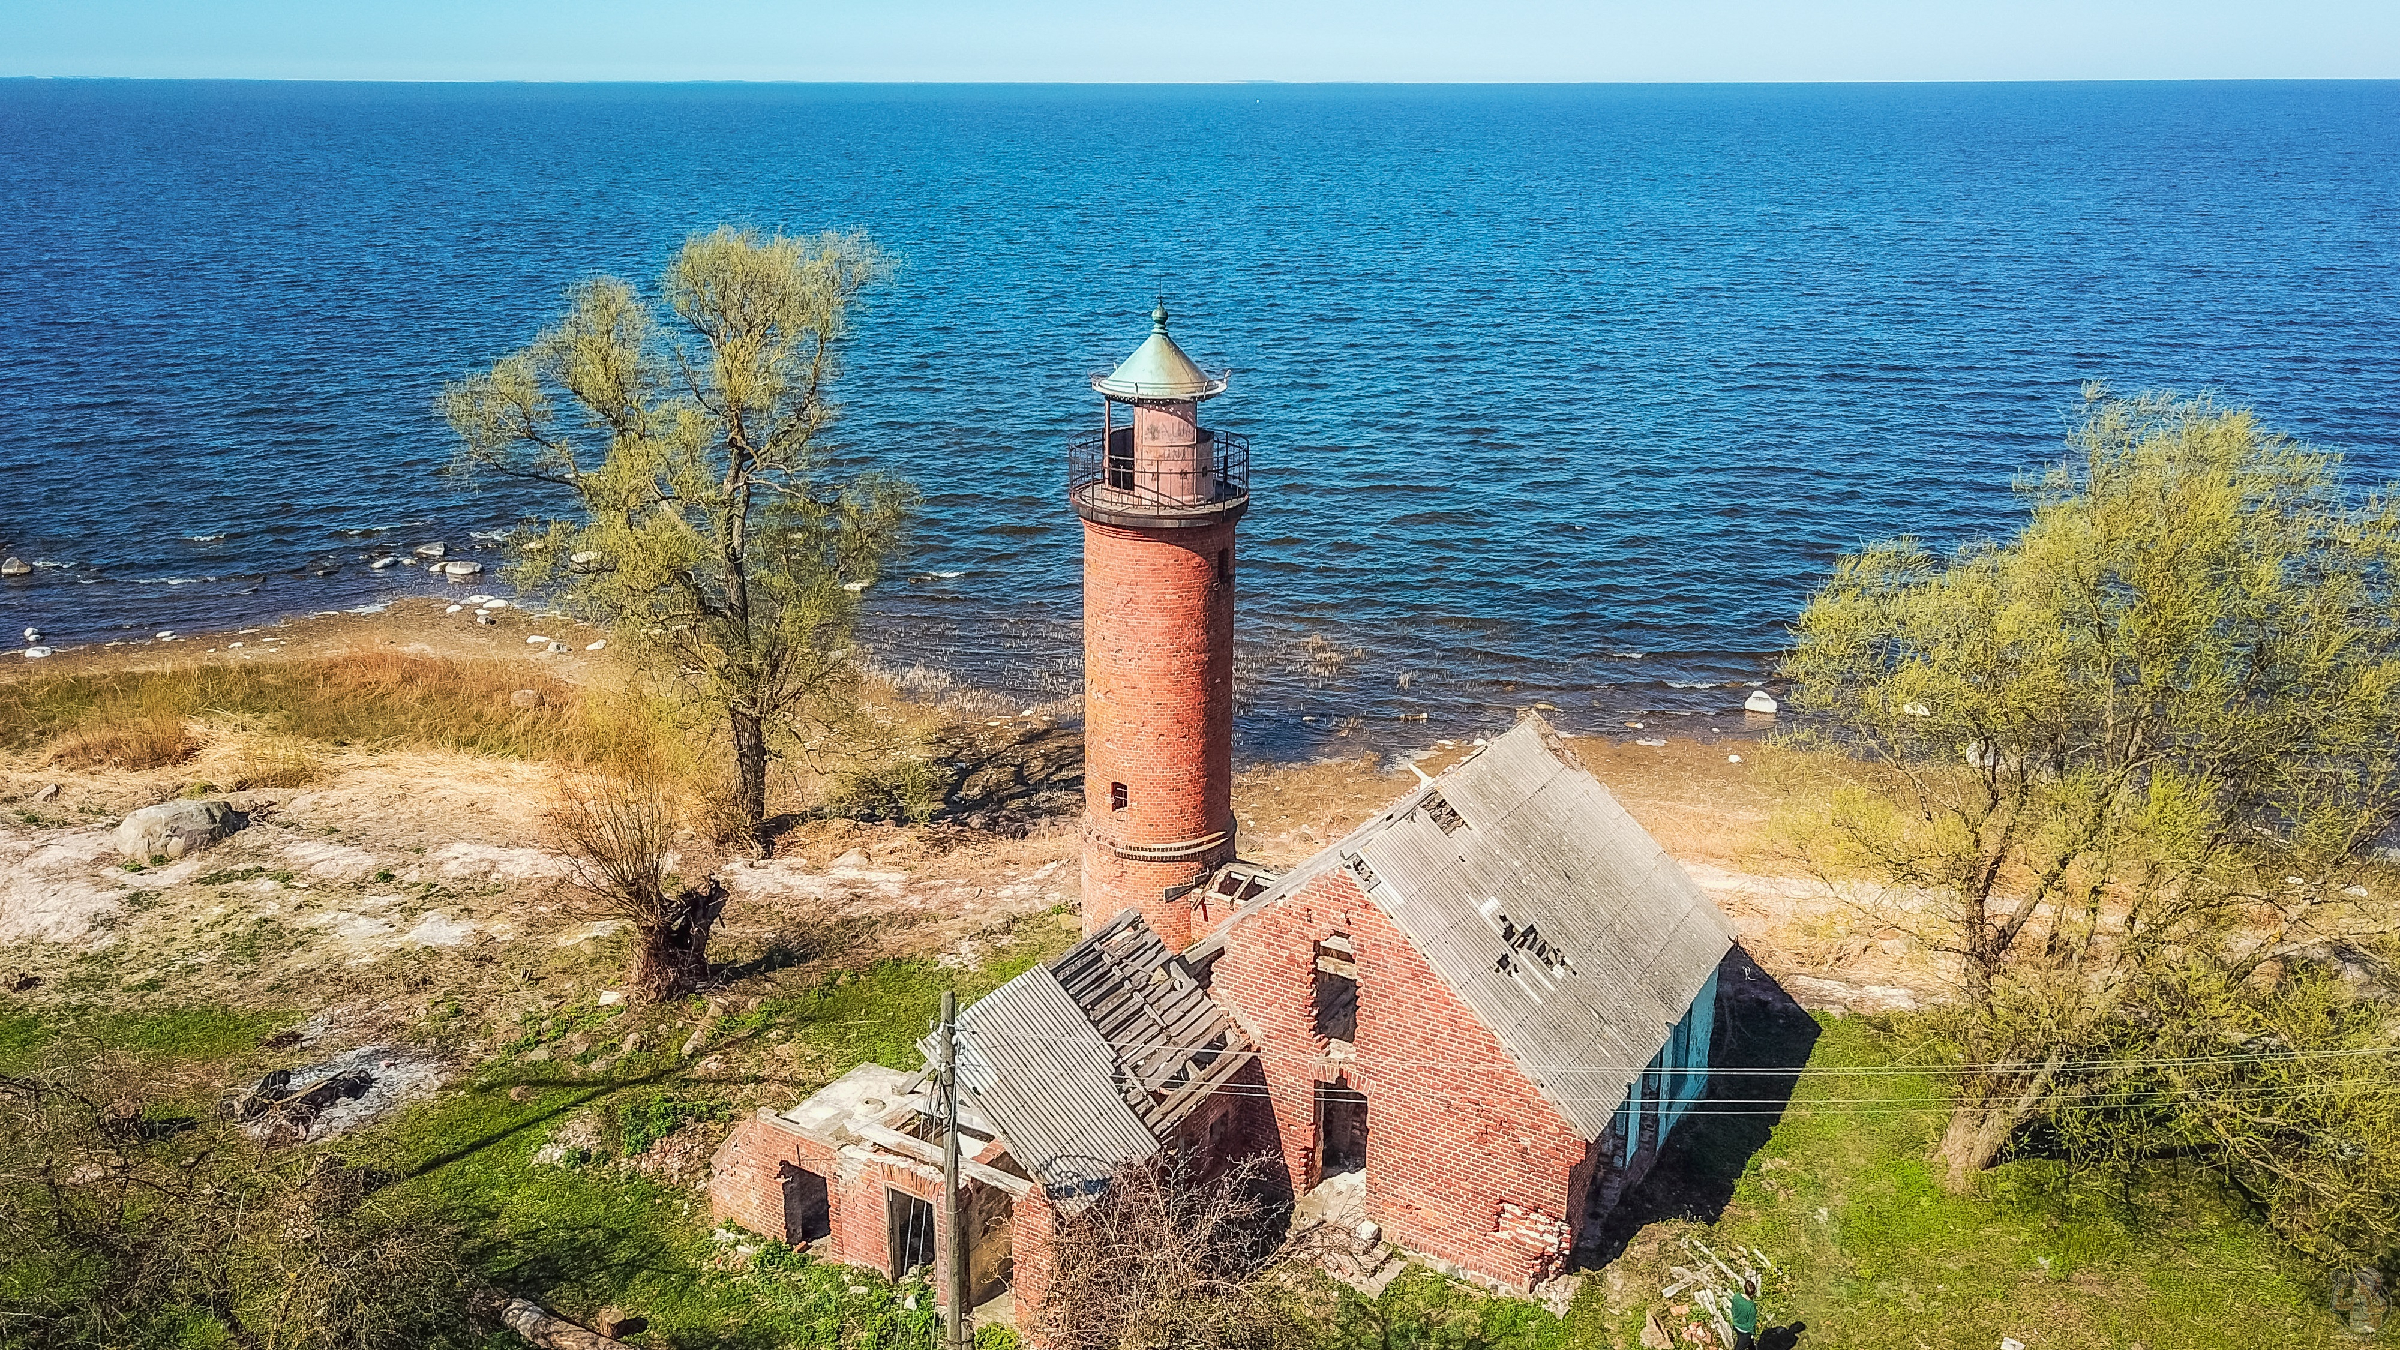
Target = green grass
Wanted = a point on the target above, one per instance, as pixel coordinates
(1841, 1195)
(581, 1238)
(200, 1034)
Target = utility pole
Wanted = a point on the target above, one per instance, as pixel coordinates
(954, 1230)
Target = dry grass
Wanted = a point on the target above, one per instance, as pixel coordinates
(366, 699)
(141, 741)
(272, 762)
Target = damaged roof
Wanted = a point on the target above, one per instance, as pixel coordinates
(1554, 916)
(1089, 1063)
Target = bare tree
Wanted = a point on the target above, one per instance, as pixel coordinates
(618, 835)
(1164, 1260)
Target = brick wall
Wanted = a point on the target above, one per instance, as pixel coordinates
(1030, 1231)
(746, 1187)
(1466, 1162)
(1158, 717)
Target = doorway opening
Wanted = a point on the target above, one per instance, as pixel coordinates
(807, 1215)
(1342, 1127)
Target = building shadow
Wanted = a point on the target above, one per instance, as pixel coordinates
(1763, 1037)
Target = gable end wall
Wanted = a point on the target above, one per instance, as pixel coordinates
(1466, 1161)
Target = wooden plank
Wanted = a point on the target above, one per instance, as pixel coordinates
(929, 1152)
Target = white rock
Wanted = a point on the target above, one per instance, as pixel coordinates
(854, 587)
(432, 550)
(454, 609)
(495, 604)
(167, 636)
(610, 998)
(15, 567)
(554, 649)
(383, 562)
(536, 640)
(1916, 710)
(1733, 759)
(583, 559)
(1369, 1233)
(36, 653)
(172, 829)
(484, 616)
(461, 569)
(1760, 701)
(597, 645)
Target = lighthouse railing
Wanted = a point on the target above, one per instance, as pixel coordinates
(1111, 472)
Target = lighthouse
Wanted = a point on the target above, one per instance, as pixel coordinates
(1159, 496)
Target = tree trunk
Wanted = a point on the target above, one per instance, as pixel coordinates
(1974, 1138)
(750, 775)
(670, 957)
(1987, 1113)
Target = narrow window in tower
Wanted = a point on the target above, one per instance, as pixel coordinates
(1224, 564)
(1116, 796)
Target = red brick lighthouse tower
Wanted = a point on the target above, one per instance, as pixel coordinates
(1159, 499)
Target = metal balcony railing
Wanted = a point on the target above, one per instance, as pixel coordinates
(1115, 478)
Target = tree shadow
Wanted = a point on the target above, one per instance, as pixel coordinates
(804, 941)
(1763, 1037)
(1011, 778)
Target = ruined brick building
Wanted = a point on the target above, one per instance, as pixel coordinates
(1495, 998)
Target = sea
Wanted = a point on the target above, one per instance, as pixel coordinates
(1559, 396)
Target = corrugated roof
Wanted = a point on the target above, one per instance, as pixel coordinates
(1032, 1061)
(1557, 919)
(1159, 369)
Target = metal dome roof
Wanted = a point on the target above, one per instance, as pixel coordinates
(1159, 369)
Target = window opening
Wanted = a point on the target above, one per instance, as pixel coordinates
(1336, 989)
(1224, 564)
(911, 1233)
(1116, 797)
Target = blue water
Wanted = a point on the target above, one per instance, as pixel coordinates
(1561, 395)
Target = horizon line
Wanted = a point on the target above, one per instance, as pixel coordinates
(1198, 84)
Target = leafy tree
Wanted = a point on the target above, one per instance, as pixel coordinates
(691, 432)
(2127, 770)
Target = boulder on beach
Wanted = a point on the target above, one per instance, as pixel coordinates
(432, 550)
(15, 567)
(381, 563)
(461, 569)
(1760, 701)
(36, 653)
(173, 829)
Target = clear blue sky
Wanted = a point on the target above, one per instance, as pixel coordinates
(1202, 40)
